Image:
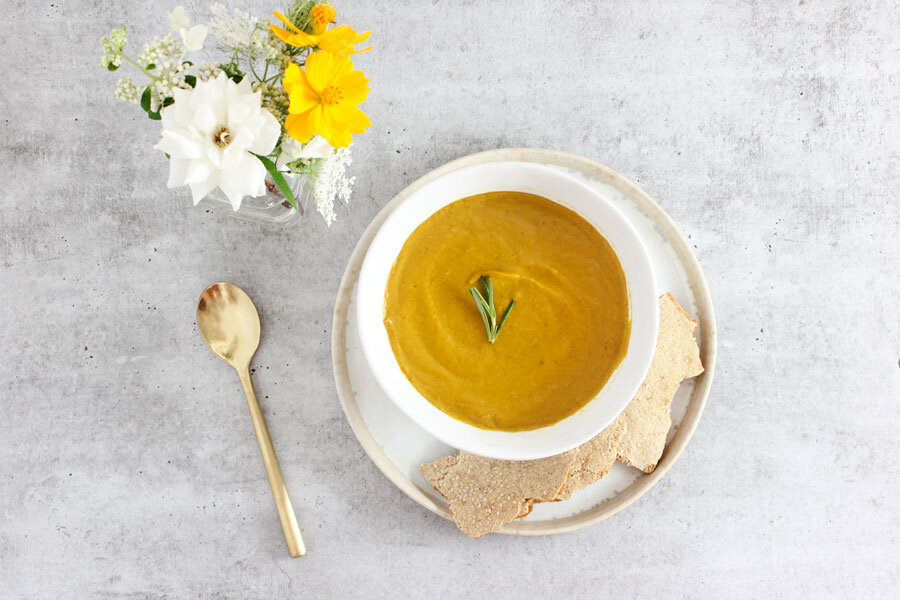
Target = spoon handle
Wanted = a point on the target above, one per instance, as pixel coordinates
(273, 470)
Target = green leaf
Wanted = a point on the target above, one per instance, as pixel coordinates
(279, 180)
(487, 310)
(505, 315)
(145, 99)
(111, 66)
(307, 166)
(150, 66)
(191, 80)
(168, 101)
(188, 63)
(479, 302)
(488, 287)
(232, 70)
(154, 115)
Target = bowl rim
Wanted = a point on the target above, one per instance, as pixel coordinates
(643, 304)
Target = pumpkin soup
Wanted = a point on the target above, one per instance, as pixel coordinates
(556, 350)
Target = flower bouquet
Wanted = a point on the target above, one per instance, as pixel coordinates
(273, 118)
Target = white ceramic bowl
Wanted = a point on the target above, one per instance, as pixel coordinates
(567, 191)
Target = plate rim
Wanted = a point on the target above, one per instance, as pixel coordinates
(705, 315)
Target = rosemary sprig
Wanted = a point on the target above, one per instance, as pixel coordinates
(486, 309)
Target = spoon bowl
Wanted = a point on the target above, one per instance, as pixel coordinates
(229, 323)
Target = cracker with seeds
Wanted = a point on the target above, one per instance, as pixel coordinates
(648, 416)
(527, 507)
(594, 458)
(484, 493)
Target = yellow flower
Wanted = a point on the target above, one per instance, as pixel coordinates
(324, 96)
(340, 40)
(321, 15)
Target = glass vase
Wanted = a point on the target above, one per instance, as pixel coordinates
(271, 208)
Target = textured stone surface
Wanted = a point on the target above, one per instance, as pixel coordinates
(769, 131)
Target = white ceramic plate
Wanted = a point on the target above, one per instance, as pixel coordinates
(397, 445)
(555, 185)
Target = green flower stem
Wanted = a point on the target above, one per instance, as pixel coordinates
(142, 69)
(253, 70)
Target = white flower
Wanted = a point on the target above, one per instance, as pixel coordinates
(178, 19)
(239, 32)
(126, 90)
(112, 48)
(208, 71)
(234, 28)
(161, 49)
(194, 37)
(291, 150)
(169, 77)
(331, 183)
(211, 133)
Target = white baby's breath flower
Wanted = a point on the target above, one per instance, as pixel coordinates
(208, 71)
(113, 47)
(331, 183)
(126, 90)
(178, 19)
(166, 55)
(162, 49)
(212, 132)
(274, 98)
(170, 77)
(282, 58)
(118, 37)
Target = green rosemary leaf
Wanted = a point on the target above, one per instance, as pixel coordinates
(488, 287)
(505, 315)
(478, 297)
(486, 308)
(479, 302)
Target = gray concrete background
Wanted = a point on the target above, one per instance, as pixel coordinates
(770, 131)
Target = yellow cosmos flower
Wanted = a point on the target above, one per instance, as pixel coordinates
(324, 96)
(321, 15)
(340, 40)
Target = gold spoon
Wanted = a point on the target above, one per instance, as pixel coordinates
(229, 324)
